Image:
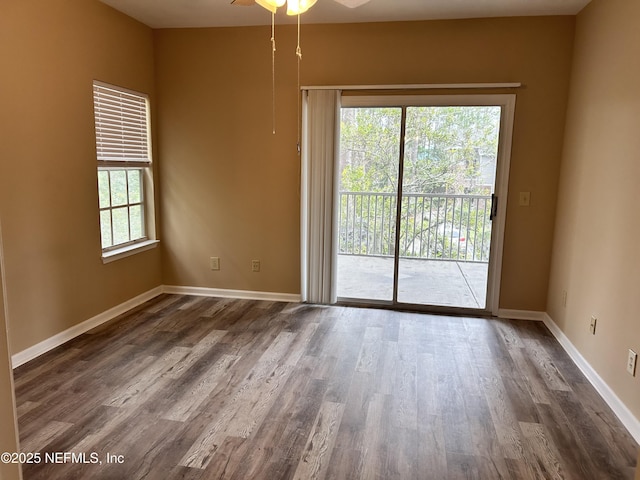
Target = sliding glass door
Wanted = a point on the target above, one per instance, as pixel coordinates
(417, 200)
(368, 186)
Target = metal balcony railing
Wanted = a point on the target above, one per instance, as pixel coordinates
(432, 226)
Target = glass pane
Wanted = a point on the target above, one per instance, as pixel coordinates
(105, 228)
(120, 225)
(135, 221)
(135, 190)
(449, 174)
(103, 188)
(118, 187)
(369, 158)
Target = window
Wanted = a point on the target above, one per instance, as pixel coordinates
(124, 170)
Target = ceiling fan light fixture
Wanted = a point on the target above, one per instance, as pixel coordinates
(297, 7)
(352, 3)
(271, 5)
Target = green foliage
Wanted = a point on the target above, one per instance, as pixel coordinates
(120, 196)
(448, 150)
(443, 152)
(369, 149)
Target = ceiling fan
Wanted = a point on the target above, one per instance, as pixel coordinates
(294, 7)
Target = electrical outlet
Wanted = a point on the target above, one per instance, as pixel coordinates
(214, 263)
(564, 298)
(632, 360)
(255, 265)
(592, 325)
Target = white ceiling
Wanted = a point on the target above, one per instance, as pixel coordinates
(219, 13)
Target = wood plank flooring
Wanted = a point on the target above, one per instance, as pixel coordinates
(203, 388)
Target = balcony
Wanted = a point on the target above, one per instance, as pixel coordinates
(444, 243)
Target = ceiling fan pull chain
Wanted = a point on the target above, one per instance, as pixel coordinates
(299, 55)
(298, 49)
(273, 31)
(273, 71)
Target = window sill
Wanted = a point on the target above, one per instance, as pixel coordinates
(117, 254)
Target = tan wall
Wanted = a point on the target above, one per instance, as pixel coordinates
(596, 256)
(230, 187)
(51, 52)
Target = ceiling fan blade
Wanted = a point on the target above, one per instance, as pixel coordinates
(352, 3)
(346, 3)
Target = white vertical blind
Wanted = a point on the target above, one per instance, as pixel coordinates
(320, 146)
(122, 124)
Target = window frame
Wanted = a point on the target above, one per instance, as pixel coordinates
(128, 204)
(117, 149)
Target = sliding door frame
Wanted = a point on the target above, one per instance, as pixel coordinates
(507, 103)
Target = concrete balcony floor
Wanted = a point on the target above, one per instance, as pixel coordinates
(424, 282)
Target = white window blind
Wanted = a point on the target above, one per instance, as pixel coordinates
(122, 125)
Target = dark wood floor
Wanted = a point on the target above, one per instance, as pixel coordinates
(202, 388)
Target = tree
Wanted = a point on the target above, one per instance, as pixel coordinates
(444, 147)
(447, 150)
(369, 149)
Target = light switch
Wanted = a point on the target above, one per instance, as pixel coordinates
(525, 199)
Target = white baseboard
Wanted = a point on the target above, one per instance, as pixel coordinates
(521, 314)
(224, 293)
(50, 343)
(619, 408)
